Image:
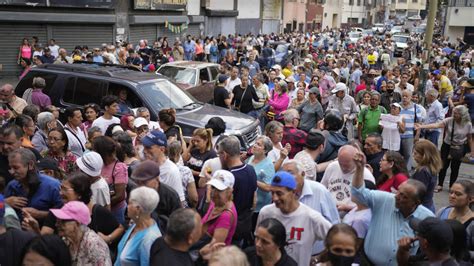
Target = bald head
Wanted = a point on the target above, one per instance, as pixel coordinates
(345, 158)
(6, 93)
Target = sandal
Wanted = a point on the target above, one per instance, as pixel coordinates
(438, 189)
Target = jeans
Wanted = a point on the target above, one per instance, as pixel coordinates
(432, 136)
(119, 214)
(406, 148)
(455, 165)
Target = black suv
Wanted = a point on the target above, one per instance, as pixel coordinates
(80, 84)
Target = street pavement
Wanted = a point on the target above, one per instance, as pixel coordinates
(441, 198)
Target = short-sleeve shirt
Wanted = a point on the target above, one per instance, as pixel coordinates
(310, 114)
(100, 192)
(226, 220)
(169, 174)
(116, 173)
(265, 172)
(220, 95)
(197, 159)
(460, 132)
(135, 250)
(244, 187)
(369, 117)
(162, 254)
(103, 123)
(391, 185)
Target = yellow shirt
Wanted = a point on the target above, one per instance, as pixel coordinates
(445, 85)
(371, 58)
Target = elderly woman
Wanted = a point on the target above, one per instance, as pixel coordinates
(311, 111)
(86, 247)
(58, 144)
(274, 130)
(279, 99)
(220, 221)
(299, 100)
(134, 248)
(264, 169)
(27, 124)
(458, 130)
(46, 122)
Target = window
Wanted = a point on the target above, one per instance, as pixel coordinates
(132, 99)
(214, 73)
(414, 1)
(85, 91)
(27, 81)
(351, 2)
(358, 2)
(204, 75)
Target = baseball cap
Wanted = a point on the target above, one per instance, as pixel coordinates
(436, 72)
(222, 78)
(139, 121)
(73, 210)
(396, 104)
(307, 60)
(90, 163)
(222, 180)
(339, 87)
(284, 179)
(314, 90)
(290, 79)
(436, 231)
(155, 137)
(276, 67)
(47, 164)
(145, 171)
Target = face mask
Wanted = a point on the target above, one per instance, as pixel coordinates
(389, 90)
(337, 260)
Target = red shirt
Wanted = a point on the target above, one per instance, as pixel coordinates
(391, 185)
(296, 138)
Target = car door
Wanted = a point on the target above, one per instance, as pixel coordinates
(204, 91)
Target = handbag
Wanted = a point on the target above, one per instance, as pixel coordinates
(456, 152)
(112, 185)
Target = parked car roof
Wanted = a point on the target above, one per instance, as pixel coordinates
(190, 64)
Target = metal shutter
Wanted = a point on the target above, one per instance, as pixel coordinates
(193, 30)
(69, 36)
(164, 32)
(10, 40)
(142, 32)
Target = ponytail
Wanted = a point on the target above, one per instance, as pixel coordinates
(209, 138)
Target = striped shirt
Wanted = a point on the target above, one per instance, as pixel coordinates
(409, 117)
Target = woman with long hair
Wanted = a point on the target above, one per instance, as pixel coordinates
(394, 172)
(25, 51)
(428, 164)
(91, 112)
(458, 130)
(28, 126)
(461, 197)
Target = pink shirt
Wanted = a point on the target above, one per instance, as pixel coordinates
(120, 175)
(279, 102)
(25, 51)
(226, 220)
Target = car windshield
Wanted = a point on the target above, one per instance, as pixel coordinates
(179, 74)
(402, 39)
(281, 48)
(354, 34)
(164, 94)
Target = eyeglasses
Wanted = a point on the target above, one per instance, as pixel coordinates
(54, 139)
(63, 188)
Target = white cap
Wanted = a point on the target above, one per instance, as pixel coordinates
(90, 163)
(139, 121)
(276, 67)
(337, 71)
(222, 180)
(397, 105)
(307, 60)
(340, 87)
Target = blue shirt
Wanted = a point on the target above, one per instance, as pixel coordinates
(316, 196)
(254, 68)
(244, 187)
(189, 47)
(265, 172)
(46, 196)
(409, 118)
(387, 226)
(434, 114)
(98, 59)
(136, 250)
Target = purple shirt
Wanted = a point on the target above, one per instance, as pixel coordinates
(40, 99)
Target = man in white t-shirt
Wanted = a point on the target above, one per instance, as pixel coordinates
(233, 80)
(338, 177)
(75, 136)
(91, 164)
(313, 148)
(110, 104)
(404, 85)
(304, 226)
(54, 48)
(155, 144)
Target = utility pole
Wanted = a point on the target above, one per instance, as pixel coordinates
(432, 9)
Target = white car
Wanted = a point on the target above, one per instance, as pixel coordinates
(400, 43)
(415, 17)
(355, 36)
(396, 29)
(378, 27)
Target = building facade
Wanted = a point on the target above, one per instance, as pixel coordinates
(459, 20)
(407, 8)
(314, 15)
(248, 20)
(332, 14)
(354, 13)
(294, 15)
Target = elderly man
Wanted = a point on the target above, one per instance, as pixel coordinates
(63, 58)
(346, 105)
(391, 214)
(233, 80)
(338, 177)
(373, 151)
(291, 134)
(411, 115)
(434, 115)
(183, 231)
(314, 195)
(14, 103)
(46, 122)
(304, 226)
(369, 117)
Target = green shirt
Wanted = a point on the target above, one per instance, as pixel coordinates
(369, 119)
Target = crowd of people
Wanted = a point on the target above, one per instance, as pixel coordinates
(344, 173)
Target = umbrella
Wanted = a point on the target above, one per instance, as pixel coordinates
(447, 50)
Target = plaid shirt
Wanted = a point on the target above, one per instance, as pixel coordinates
(296, 138)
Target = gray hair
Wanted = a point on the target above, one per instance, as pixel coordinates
(298, 165)
(375, 93)
(93, 130)
(267, 143)
(230, 145)
(272, 126)
(290, 115)
(432, 92)
(181, 224)
(142, 110)
(465, 117)
(39, 83)
(377, 137)
(145, 197)
(44, 118)
(26, 156)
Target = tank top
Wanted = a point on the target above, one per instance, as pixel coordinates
(25, 51)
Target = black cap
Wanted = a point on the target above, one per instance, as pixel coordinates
(145, 171)
(437, 232)
(47, 164)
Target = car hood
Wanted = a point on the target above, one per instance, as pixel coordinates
(402, 44)
(234, 120)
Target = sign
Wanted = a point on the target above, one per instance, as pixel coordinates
(389, 121)
(109, 4)
(160, 4)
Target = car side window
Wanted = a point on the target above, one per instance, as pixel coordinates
(214, 72)
(26, 82)
(82, 91)
(204, 75)
(132, 100)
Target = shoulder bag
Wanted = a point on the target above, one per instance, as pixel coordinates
(456, 152)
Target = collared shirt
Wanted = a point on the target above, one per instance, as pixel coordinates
(317, 197)
(369, 118)
(40, 99)
(77, 140)
(346, 106)
(296, 138)
(388, 225)
(46, 196)
(434, 114)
